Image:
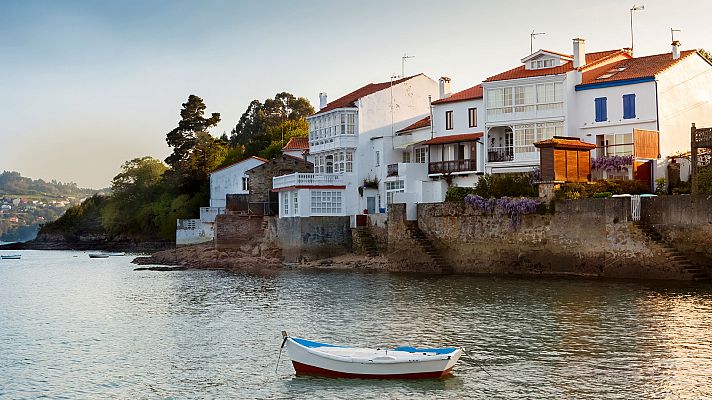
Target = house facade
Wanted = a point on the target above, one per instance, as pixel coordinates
(351, 141)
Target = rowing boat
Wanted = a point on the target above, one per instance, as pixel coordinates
(321, 359)
(11, 256)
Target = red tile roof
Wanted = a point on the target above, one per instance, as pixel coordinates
(465, 137)
(297, 143)
(567, 143)
(639, 67)
(472, 93)
(349, 100)
(264, 160)
(421, 123)
(522, 72)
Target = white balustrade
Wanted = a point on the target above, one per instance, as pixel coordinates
(307, 179)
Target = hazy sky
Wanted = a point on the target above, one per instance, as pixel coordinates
(87, 85)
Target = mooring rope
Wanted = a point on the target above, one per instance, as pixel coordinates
(280, 354)
(473, 361)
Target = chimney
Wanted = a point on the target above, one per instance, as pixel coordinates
(675, 49)
(445, 87)
(579, 52)
(322, 100)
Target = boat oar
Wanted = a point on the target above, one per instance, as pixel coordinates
(284, 333)
(473, 360)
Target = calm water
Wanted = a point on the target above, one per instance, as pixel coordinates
(74, 327)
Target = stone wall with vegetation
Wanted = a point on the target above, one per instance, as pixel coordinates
(588, 237)
(684, 221)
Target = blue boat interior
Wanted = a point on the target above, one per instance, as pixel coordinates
(446, 350)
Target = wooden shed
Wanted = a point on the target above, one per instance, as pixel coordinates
(564, 159)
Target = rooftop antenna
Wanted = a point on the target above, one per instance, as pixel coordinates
(672, 33)
(405, 57)
(634, 8)
(533, 36)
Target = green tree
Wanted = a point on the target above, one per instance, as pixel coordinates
(183, 137)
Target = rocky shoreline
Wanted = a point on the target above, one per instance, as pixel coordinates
(132, 246)
(204, 256)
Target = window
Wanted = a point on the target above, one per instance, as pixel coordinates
(524, 137)
(295, 203)
(378, 158)
(329, 164)
(322, 129)
(325, 202)
(393, 187)
(472, 112)
(448, 120)
(421, 155)
(601, 109)
(619, 144)
(628, 106)
(406, 156)
(284, 200)
(245, 183)
(525, 98)
(349, 161)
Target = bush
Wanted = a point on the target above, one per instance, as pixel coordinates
(456, 193)
(703, 180)
(602, 195)
(506, 185)
(574, 191)
(681, 188)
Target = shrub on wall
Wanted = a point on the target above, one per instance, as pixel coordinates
(574, 191)
(456, 193)
(703, 180)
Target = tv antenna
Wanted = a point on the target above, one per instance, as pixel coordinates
(533, 36)
(405, 57)
(672, 33)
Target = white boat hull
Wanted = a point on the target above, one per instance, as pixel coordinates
(369, 363)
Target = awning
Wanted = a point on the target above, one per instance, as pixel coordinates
(465, 137)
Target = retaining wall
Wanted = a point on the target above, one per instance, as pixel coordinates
(313, 238)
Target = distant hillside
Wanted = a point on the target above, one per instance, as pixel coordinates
(12, 183)
(26, 204)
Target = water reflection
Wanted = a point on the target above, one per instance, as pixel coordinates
(71, 327)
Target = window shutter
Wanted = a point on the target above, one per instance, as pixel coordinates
(628, 106)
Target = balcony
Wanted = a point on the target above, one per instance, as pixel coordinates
(447, 167)
(302, 179)
(500, 154)
(208, 214)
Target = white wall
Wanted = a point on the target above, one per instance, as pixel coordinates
(583, 118)
(684, 96)
(193, 231)
(229, 181)
(460, 117)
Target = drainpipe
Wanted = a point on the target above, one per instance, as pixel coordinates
(657, 115)
(430, 103)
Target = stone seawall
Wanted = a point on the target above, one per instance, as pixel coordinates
(235, 231)
(684, 221)
(591, 237)
(305, 239)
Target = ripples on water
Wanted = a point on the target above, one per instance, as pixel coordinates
(74, 327)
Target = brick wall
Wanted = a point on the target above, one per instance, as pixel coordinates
(236, 231)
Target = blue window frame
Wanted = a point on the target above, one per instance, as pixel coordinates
(601, 109)
(628, 106)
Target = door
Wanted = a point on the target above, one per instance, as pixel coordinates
(371, 205)
(643, 172)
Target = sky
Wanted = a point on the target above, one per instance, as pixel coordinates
(87, 85)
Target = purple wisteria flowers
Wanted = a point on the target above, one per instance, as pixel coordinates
(513, 207)
(611, 163)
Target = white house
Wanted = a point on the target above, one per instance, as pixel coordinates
(351, 140)
(446, 152)
(636, 106)
(230, 179)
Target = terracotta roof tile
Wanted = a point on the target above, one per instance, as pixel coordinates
(349, 100)
(421, 123)
(465, 137)
(297, 143)
(472, 93)
(522, 72)
(561, 142)
(639, 67)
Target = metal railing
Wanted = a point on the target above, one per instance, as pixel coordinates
(446, 167)
(299, 179)
(498, 154)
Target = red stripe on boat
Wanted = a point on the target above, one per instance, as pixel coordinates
(304, 369)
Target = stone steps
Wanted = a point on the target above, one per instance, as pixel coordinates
(427, 247)
(675, 256)
(368, 242)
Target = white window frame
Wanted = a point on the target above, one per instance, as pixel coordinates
(246, 183)
(421, 155)
(448, 120)
(472, 117)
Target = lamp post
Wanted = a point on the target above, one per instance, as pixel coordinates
(634, 8)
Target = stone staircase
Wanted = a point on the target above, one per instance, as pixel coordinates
(675, 257)
(427, 246)
(367, 241)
